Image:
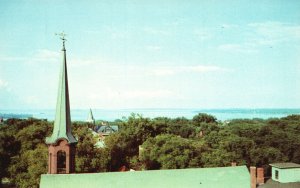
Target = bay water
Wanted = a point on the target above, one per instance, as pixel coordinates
(113, 114)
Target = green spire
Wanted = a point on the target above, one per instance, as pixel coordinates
(62, 123)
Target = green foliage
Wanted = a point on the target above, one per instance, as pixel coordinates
(118, 148)
(168, 152)
(182, 127)
(88, 157)
(28, 167)
(217, 158)
(30, 154)
(221, 144)
(8, 148)
(32, 135)
(239, 148)
(24, 155)
(159, 143)
(204, 118)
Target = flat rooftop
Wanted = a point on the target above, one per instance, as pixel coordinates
(274, 184)
(285, 165)
(221, 177)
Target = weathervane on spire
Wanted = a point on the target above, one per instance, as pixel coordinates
(62, 37)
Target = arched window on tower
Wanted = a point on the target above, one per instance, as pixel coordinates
(61, 162)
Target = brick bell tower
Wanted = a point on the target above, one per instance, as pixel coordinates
(61, 144)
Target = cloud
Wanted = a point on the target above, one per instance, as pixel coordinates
(153, 48)
(31, 100)
(8, 58)
(165, 71)
(277, 29)
(262, 34)
(155, 31)
(3, 84)
(177, 22)
(269, 33)
(111, 32)
(203, 34)
(145, 94)
(92, 31)
(202, 68)
(100, 96)
(45, 55)
(40, 55)
(237, 48)
(136, 94)
(84, 62)
(115, 70)
(229, 26)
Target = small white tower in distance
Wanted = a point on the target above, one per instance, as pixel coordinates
(90, 118)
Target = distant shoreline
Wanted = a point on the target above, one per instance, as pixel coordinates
(17, 116)
(113, 114)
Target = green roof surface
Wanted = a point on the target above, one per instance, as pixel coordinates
(221, 177)
(62, 123)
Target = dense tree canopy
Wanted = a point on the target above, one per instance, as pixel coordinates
(168, 151)
(158, 143)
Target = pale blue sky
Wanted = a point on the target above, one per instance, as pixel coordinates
(152, 54)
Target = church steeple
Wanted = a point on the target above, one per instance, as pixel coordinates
(61, 144)
(62, 123)
(90, 118)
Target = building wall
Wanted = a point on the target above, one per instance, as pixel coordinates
(286, 175)
(69, 150)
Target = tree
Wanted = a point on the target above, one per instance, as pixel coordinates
(204, 118)
(165, 143)
(182, 127)
(120, 147)
(27, 168)
(262, 157)
(32, 135)
(88, 157)
(217, 158)
(168, 152)
(8, 148)
(239, 148)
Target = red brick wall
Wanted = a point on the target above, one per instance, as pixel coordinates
(62, 145)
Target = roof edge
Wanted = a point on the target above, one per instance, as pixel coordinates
(285, 165)
(51, 140)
